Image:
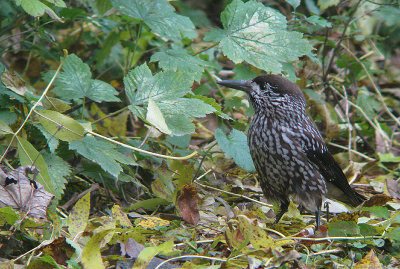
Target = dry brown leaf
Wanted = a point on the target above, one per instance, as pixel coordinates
(23, 194)
(377, 200)
(131, 248)
(393, 188)
(59, 250)
(14, 83)
(187, 204)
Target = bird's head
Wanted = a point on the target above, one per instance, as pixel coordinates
(268, 91)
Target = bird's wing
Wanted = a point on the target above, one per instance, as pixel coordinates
(319, 155)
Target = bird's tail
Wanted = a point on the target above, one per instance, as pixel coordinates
(350, 197)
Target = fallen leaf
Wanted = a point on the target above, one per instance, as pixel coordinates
(121, 216)
(370, 261)
(187, 204)
(393, 188)
(14, 83)
(59, 250)
(21, 193)
(377, 200)
(152, 222)
(131, 248)
(79, 215)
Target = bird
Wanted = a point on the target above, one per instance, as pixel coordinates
(288, 151)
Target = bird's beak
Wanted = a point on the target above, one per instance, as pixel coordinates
(242, 85)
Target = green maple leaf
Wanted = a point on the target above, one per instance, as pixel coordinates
(258, 35)
(166, 89)
(179, 60)
(75, 82)
(102, 153)
(160, 16)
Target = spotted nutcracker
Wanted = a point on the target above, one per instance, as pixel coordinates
(287, 149)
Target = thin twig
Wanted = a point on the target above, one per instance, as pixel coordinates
(230, 193)
(76, 197)
(145, 138)
(348, 121)
(192, 257)
(378, 92)
(353, 151)
(328, 251)
(205, 49)
(330, 238)
(144, 151)
(333, 54)
(110, 115)
(357, 107)
(35, 105)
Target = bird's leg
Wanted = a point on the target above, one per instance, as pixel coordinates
(284, 208)
(318, 216)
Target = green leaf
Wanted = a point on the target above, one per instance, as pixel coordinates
(37, 9)
(178, 113)
(79, 215)
(58, 170)
(394, 234)
(4, 128)
(367, 230)
(75, 83)
(368, 103)
(61, 126)
(390, 15)
(179, 141)
(379, 211)
(103, 153)
(164, 85)
(388, 158)
(258, 35)
(343, 228)
(148, 253)
(160, 16)
(235, 145)
(52, 142)
(28, 155)
(315, 96)
(111, 40)
(243, 72)
(179, 60)
(317, 20)
(155, 117)
(45, 261)
(212, 102)
(9, 215)
(166, 89)
(324, 4)
(149, 204)
(294, 3)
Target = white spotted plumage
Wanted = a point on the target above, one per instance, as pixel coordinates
(288, 151)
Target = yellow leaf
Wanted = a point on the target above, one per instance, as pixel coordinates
(78, 218)
(121, 216)
(370, 261)
(151, 222)
(91, 256)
